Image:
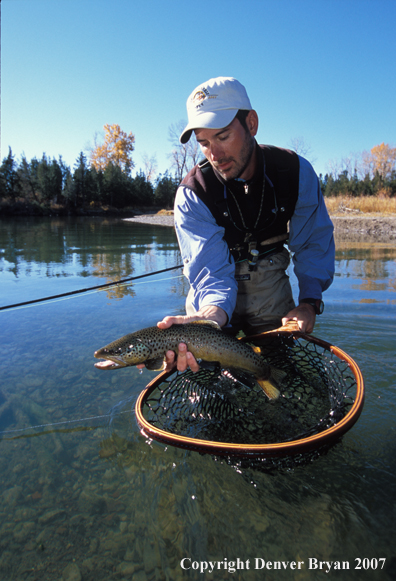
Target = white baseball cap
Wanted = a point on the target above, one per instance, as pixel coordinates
(214, 104)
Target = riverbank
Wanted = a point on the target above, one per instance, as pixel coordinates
(367, 227)
(375, 227)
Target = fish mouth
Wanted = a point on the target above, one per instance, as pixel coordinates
(109, 361)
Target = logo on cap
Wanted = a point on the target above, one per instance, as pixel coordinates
(198, 96)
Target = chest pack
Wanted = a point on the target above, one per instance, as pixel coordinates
(253, 216)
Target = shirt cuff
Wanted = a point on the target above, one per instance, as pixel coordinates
(310, 288)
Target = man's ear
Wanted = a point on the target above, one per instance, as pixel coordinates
(252, 122)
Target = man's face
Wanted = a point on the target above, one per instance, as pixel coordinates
(230, 150)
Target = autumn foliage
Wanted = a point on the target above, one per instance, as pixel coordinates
(373, 173)
(116, 149)
(381, 160)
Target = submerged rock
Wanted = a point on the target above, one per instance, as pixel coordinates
(50, 516)
(12, 495)
(71, 573)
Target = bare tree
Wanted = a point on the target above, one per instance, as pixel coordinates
(183, 155)
(355, 165)
(298, 145)
(150, 166)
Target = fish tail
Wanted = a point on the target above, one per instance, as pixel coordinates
(270, 390)
(268, 384)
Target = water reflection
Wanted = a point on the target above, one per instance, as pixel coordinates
(33, 250)
(57, 241)
(373, 265)
(365, 275)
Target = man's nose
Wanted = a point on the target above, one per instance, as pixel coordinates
(216, 152)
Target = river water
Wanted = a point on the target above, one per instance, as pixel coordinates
(84, 495)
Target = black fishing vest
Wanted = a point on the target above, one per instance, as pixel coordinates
(257, 219)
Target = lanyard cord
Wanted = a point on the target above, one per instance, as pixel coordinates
(245, 229)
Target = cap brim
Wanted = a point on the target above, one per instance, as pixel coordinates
(208, 120)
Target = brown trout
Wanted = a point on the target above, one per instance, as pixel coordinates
(204, 339)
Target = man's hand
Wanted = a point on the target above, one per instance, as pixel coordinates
(186, 359)
(208, 313)
(183, 360)
(304, 315)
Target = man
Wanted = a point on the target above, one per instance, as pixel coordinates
(233, 214)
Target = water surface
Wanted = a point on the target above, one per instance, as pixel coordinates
(82, 492)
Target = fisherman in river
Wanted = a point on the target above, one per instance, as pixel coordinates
(234, 213)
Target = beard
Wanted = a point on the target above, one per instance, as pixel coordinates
(239, 165)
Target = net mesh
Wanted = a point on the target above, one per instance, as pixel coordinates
(228, 406)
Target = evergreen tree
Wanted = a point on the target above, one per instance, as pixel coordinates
(80, 180)
(143, 191)
(8, 177)
(49, 180)
(165, 190)
(97, 185)
(118, 187)
(27, 173)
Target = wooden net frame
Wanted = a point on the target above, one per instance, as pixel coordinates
(326, 369)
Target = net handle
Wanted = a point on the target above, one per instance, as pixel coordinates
(264, 450)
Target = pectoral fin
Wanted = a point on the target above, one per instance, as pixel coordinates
(155, 364)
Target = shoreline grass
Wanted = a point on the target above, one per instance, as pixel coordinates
(341, 205)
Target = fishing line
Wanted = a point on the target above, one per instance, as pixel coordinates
(19, 430)
(90, 289)
(87, 293)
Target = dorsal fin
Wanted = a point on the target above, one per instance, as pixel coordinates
(207, 322)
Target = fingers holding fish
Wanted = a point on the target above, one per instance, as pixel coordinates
(181, 361)
(186, 359)
(192, 362)
(177, 320)
(209, 313)
(169, 321)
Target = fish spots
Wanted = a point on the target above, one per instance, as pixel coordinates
(203, 340)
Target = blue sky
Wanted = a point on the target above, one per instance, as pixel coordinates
(320, 70)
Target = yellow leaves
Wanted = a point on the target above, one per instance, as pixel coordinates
(384, 159)
(381, 160)
(117, 149)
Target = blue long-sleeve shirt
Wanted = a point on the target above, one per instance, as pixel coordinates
(210, 268)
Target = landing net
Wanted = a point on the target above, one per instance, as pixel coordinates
(224, 411)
